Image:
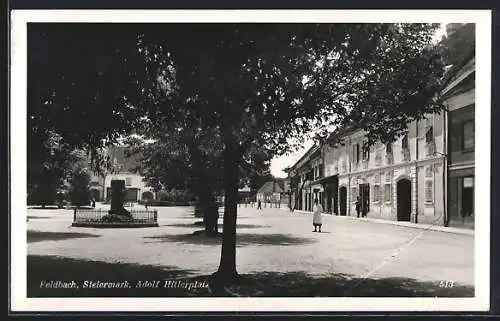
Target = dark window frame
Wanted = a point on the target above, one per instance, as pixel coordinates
(388, 148)
(429, 135)
(405, 144)
(366, 152)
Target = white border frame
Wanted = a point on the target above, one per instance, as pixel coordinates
(19, 301)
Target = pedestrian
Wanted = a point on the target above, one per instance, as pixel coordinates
(364, 208)
(259, 205)
(93, 202)
(358, 206)
(146, 204)
(317, 219)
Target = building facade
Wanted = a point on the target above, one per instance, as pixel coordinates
(123, 169)
(272, 192)
(460, 104)
(427, 176)
(400, 181)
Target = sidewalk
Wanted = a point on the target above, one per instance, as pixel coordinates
(439, 228)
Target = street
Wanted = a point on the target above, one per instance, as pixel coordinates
(271, 240)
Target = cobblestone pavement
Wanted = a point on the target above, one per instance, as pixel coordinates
(271, 240)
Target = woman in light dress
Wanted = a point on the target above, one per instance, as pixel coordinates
(317, 219)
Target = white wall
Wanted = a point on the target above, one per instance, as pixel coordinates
(135, 180)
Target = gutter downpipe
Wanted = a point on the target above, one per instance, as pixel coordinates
(416, 172)
(446, 221)
(348, 152)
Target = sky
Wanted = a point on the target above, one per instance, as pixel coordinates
(279, 163)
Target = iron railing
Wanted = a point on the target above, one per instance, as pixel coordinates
(97, 215)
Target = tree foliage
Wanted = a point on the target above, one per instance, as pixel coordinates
(245, 84)
(79, 187)
(49, 165)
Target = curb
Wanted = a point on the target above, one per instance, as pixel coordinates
(454, 230)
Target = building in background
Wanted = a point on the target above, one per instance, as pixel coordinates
(272, 192)
(301, 179)
(123, 169)
(244, 194)
(401, 181)
(427, 176)
(459, 99)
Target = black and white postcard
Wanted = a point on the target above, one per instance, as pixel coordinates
(250, 160)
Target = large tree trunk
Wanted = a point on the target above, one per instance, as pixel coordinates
(207, 208)
(227, 268)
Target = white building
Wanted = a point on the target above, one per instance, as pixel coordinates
(401, 181)
(123, 169)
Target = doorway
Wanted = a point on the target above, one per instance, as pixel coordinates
(364, 198)
(343, 201)
(404, 200)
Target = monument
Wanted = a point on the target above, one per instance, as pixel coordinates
(117, 216)
(118, 192)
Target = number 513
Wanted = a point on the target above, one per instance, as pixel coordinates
(446, 284)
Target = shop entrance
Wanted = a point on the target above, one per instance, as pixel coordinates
(343, 200)
(404, 200)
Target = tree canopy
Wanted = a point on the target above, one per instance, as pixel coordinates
(245, 84)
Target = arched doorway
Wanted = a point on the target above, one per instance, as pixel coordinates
(94, 194)
(343, 201)
(147, 196)
(403, 190)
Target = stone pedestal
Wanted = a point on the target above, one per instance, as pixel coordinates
(118, 192)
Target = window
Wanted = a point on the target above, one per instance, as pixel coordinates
(404, 142)
(428, 171)
(366, 152)
(388, 153)
(378, 159)
(388, 177)
(376, 193)
(429, 135)
(405, 148)
(468, 182)
(388, 148)
(354, 194)
(355, 153)
(429, 191)
(320, 170)
(468, 135)
(387, 192)
(128, 181)
(310, 175)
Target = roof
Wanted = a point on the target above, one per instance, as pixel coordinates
(119, 157)
(270, 187)
(309, 152)
(245, 189)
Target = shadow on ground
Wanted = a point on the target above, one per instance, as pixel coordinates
(220, 225)
(242, 239)
(266, 284)
(39, 217)
(39, 236)
(300, 284)
(52, 268)
(52, 207)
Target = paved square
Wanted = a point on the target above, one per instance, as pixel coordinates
(271, 240)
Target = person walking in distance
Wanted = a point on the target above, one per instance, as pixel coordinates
(317, 219)
(358, 206)
(364, 208)
(259, 205)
